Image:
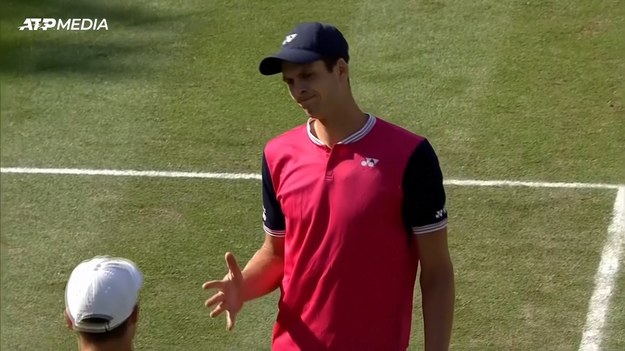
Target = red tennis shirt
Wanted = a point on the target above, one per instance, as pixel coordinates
(346, 214)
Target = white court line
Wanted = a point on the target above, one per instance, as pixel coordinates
(605, 278)
(128, 173)
(211, 175)
(514, 183)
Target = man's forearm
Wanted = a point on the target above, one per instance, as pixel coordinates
(438, 296)
(262, 274)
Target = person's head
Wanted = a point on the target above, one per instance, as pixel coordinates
(314, 65)
(101, 302)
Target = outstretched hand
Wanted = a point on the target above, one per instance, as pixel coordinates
(229, 297)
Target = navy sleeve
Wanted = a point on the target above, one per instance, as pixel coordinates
(273, 218)
(424, 195)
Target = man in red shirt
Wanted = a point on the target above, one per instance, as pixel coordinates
(352, 205)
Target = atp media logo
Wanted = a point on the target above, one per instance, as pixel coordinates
(68, 24)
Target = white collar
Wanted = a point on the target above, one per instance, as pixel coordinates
(361, 133)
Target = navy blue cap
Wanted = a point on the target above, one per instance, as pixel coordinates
(306, 43)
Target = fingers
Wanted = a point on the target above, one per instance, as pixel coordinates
(231, 317)
(218, 310)
(213, 284)
(234, 276)
(230, 320)
(217, 298)
(233, 266)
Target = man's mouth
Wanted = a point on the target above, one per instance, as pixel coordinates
(304, 100)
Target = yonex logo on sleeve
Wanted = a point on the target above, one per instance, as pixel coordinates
(369, 162)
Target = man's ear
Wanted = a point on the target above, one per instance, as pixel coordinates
(68, 320)
(134, 316)
(342, 67)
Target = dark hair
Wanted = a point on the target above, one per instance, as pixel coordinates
(330, 62)
(116, 333)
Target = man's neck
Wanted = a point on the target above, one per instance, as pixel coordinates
(340, 126)
(120, 345)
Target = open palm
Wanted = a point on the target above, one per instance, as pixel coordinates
(229, 297)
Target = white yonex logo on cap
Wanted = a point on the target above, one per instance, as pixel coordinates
(440, 213)
(289, 38)
(369, 162)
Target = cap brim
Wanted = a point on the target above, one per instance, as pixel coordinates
(273, 64)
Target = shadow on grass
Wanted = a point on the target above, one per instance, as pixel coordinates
(84, 52)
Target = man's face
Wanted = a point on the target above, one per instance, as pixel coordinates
(312, 86)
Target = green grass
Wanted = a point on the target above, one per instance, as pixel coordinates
(517, 276)
(504, 90)
(526, 261)
(174, 235)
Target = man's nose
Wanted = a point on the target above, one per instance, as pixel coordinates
(300, 90)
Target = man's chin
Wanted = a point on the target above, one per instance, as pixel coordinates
(314, 113)
(310, 113)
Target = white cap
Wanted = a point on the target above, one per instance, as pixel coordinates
(103, 287)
